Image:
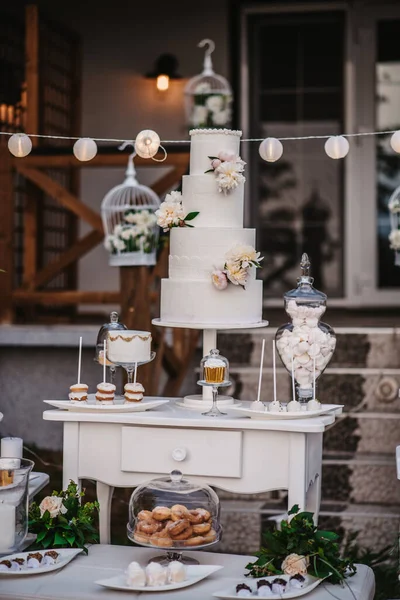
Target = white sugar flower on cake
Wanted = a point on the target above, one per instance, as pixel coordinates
(228, 169)
(171, 213)
(238, 262)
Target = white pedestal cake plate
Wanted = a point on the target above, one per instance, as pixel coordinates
(203, 401)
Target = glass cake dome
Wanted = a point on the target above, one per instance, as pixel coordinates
(174, 514)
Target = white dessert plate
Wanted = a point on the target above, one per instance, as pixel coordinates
(195, 573)
(91, 405)
(230, 592)
(65, 556)
(287, 416)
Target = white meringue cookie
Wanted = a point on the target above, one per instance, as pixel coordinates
(303, 358)
(314, 350)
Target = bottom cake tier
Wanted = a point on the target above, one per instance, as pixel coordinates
(200, 302)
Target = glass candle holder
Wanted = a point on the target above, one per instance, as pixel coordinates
(14, 502)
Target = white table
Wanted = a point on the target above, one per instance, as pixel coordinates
(232, 453)
(77, 579)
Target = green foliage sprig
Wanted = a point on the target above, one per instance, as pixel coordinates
(72, 526)
(301, 536)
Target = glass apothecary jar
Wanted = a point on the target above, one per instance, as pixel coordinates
(14, 482)
(305, 345)
(174, 514)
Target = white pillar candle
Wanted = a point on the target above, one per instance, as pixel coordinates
(11, 447)
(7, 527)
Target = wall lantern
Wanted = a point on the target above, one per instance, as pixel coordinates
(165, 69)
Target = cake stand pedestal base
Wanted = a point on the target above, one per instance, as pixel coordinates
(204, 401)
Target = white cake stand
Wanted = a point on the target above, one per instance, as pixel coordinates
(203, 401)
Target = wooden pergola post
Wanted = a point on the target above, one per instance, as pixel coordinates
(6, 235)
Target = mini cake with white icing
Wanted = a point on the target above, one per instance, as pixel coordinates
(78, 392)
(133, 392)
(105, 392)
(129, 346)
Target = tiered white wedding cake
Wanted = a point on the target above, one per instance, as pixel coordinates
(212, 262)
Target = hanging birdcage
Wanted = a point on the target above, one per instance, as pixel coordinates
(208, 97)
(130, 225)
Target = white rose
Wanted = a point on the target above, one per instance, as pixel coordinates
(215, 103)
(54, 505)
(128, 233)
(203, 88)
(131, 218)
(174, 196)
(199, 116)
(236, 274)
(222, 117)
(170, 214)
(119, 244)
(394, 239)
(229, 176)
(109, 243)
(117, 230)
(242, 254)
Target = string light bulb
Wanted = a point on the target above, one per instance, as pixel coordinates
(271, 149)
(337, 146)
(395, 141)
(162, 83)
(85, 149)
(147, 143)
(20, 145)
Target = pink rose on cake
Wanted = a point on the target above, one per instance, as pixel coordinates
(54, 505)
(228, 169)
(219, 279)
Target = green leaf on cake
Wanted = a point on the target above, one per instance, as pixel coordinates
(190, 216)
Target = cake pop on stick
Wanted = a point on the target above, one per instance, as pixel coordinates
(258, 405)
(293, 405)
(78, 392)
(275, 405)
(105, 391)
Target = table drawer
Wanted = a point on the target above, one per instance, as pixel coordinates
(194, 452)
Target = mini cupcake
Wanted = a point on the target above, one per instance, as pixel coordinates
(105, 392)
(264, 588)
(133, 392)
(214, 370)
(278, 585)
(243, 590)
(78, 392)
(297, 581)
(50, 558)
(5, 565)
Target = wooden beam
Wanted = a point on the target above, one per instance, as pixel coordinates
(6, 235)
(104, 159)
(65, 297)
(30, 234)
(63, 196)
(79, 249)
(32, 69)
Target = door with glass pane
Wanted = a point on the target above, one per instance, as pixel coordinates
(295, 87)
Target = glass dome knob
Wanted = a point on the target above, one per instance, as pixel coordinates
(114, 317)
(176, 476)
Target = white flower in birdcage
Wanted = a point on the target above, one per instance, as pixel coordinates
(394, 236)
(208, 96)
(130, 225)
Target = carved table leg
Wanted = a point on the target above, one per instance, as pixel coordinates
(104, 497)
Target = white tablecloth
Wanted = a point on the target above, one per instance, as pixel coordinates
(76, 581)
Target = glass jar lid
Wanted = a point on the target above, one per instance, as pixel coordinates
(113, 325)
(305, 292)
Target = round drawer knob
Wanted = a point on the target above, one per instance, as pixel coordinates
(179, 454)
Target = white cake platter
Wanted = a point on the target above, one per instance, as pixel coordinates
(217, 326)
(287, 416)
(195, 573)
(92, 406)
(230, 592)
(65, 557)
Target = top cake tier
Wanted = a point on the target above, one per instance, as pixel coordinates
(210, 142)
